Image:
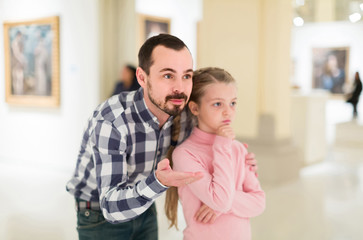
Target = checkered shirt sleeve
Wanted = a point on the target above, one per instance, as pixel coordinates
(119, 201)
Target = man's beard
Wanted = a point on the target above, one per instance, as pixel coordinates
(163, 105)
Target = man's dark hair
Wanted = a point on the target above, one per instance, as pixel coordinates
(166, 40)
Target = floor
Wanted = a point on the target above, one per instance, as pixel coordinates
(326, 202)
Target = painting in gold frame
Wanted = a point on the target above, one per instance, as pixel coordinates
(32, 62)
(151, 26)
(330, 68)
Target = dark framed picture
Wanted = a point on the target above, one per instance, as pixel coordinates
(32, 62)
(330, 68)
(151, 26)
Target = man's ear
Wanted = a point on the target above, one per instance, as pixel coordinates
(141, 77)
(193, 106)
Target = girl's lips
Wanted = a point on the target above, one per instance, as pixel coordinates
(227, 121)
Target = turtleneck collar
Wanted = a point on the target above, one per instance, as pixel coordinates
(200, 136)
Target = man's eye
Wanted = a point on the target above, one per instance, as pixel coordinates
(167, 76)
(188, 76)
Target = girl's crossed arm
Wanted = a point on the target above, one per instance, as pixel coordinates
(216, 189)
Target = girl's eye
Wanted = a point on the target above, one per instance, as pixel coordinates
(217, 104)
(233, 104)
(167, 76)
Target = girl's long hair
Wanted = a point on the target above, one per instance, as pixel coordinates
(171, 198)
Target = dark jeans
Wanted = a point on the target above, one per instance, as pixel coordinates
(91, 225)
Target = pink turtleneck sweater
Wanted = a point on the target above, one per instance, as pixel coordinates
(227, 186)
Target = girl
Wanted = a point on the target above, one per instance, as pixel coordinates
(229, 193)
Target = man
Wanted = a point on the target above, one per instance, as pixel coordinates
(120, 169)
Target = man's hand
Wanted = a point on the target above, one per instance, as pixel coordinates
(251, 161)
(205, 215)
(169, 178)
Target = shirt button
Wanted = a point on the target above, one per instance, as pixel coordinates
(86, 213)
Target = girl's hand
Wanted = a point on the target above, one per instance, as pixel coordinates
(226, 131)
(205, 215)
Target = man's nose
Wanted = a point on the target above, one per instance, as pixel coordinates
(178, 85)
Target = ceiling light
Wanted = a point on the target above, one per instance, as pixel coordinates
(355, 17)
(300, 2)
(361, 6)
(298, 21)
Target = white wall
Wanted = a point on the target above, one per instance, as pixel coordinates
(44, 136)
(330, 34)
(184, 15)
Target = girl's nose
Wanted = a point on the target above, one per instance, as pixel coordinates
(227, 111)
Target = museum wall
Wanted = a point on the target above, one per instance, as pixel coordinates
(251, 40)
(324, 35)
(50, 137)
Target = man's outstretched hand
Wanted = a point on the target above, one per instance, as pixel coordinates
(168, 177)
(251, 160)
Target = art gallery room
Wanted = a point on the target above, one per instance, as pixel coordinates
(295, 64)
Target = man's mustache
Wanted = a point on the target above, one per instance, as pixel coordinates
(176, 96)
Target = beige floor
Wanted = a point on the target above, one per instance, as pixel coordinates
(326, 202)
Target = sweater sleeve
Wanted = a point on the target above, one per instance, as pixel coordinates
(250, 201)
(216, 189)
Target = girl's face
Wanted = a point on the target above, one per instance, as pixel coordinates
(217, 106)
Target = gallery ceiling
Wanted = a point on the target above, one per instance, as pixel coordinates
(342, 10)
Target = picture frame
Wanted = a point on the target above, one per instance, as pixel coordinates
(330, 68)
(151, 25)
(32, 62)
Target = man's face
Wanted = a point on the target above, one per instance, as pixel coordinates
(169, 83)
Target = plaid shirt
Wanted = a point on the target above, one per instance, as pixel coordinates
(121, 147)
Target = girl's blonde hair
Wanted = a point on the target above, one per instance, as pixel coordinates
(201, 79)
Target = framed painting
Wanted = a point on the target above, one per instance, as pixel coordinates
(330, 68)
(32, 62)
(151, 26)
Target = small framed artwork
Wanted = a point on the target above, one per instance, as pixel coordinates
(330, 68)
(32, 62)
(151, 26)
